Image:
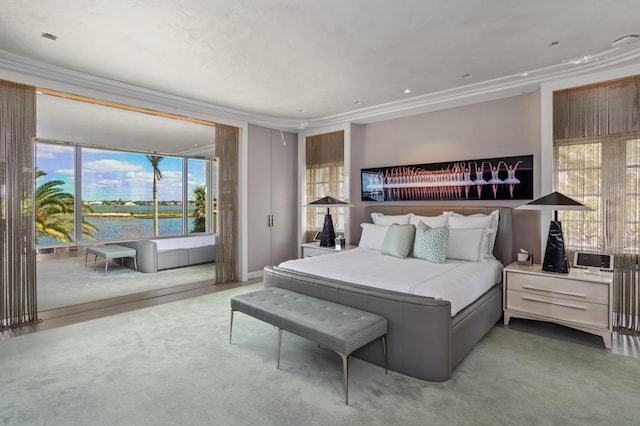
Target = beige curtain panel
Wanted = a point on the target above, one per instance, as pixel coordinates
(18, 302)
(226, 151)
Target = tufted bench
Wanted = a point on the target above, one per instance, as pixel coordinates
(108, 252)
(336, 327)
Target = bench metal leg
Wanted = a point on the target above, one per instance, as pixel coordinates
(231, 326)
(384, 348)
(279, 346)
(106, 265)
(345, 370)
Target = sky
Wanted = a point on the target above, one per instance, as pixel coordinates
(117, 175)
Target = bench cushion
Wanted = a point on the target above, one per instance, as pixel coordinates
(337, 327)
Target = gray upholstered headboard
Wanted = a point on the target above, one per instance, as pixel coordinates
(503, 249)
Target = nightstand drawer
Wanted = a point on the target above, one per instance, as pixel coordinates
(576, 311)
(561, 288)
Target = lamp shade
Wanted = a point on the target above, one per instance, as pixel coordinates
(554, 201)
(328, 202)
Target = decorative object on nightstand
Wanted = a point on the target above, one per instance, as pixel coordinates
(328, 232)
(555, 256)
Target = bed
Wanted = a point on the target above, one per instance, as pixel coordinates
(425, 340)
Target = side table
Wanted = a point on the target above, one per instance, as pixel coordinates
(578, 300)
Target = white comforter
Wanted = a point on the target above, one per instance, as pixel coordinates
(458, 282)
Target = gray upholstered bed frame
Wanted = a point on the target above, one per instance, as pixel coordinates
(424, 341)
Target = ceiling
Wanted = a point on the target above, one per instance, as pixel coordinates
(305, 63)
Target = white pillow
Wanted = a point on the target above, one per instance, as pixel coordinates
(486, 221)
(387, 219)
(430, 221)
(467, 244)
(372, 236)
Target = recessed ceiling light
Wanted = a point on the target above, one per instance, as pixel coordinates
(467, 76)
(49, 36)
(407, 90)
(524, 74)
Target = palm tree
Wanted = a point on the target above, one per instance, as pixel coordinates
(54, 212)
(200, 211)
(157, 176)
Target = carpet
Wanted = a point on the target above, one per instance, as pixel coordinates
(172, 364)
(67, 282)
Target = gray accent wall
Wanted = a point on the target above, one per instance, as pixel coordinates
(505, 127)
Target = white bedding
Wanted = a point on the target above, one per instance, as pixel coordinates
(459, 282)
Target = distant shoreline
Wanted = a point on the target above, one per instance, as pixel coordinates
(138, 215)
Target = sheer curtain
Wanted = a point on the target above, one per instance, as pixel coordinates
(226, 152)
(324, 177)
(18, 304)
(597, 162)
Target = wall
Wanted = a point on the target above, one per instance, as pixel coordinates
(505, 127)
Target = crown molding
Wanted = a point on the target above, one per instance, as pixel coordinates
(499, 88)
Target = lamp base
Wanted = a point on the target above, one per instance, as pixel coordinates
(328, 238)
(555, 256)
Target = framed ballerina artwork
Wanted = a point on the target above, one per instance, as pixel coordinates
(504, 178)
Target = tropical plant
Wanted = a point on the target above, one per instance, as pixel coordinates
(54, 212)
(157, 176)
(200, 210)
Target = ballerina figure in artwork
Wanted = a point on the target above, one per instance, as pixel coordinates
(467, 182)
(511, 176)
(495, 179)
(479, 182)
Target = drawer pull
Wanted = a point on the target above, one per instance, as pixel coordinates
(566, 305)
(565, 293)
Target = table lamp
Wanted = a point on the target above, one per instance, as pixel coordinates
(555, 256)
(328, 238)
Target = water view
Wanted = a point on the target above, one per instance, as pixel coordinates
(120, 188)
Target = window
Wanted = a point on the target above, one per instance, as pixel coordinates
(198, 195)
(597, 162)
(324, 177)
(123, 194)
(55, 201)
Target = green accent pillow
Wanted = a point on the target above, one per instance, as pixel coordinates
(431, 243)
(398, 240)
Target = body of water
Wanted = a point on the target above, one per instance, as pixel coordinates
(129, 227)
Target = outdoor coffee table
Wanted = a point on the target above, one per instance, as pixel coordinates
(108, 252)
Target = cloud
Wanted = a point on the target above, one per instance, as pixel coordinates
(109, 182)
(64, 171)
(109, 165)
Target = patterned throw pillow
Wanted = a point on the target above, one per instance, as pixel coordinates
(431, 243)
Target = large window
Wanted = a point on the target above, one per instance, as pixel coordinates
(324, 177)
(603, 173)
(122, 194)
(597, 162)
(55, 202)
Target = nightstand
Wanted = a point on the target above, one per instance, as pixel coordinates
(577, 299)
(314, 249)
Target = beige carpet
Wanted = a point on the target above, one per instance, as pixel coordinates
(67, 282)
